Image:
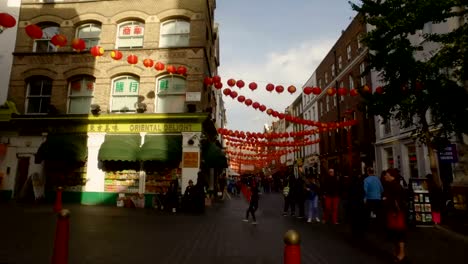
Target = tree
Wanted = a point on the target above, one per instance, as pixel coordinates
(422, 88)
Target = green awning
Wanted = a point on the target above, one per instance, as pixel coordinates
(162, 148)
(63, 147)
(214, 157)
(120, 147)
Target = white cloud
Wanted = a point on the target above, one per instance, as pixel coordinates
(291, 67)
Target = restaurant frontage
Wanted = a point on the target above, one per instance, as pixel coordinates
(99, 158)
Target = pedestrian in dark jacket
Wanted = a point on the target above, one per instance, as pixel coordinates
(312, 200)
(289, 195)
(331, 196)
(300, 196)
(253, 204)
(357, 207)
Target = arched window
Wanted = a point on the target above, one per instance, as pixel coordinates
(49, 30)
(90, 33)
(171, 95)
(125, 94)
(80, 94)
(175, 33)
(38, 95)
(130, 34)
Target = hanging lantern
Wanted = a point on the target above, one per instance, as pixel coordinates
(34, 31)
(419, 86)
(331, 91)
(274, 114)
(216, 79)
(231, 82)
(159, 66)
(292, 89)
(354, 92)
(240, 84)
(227, 91)
(269, 111)
(279, 89)
(207, 81)
(270, 87)
(218, 85)
(262, 108)
(78, 44)
(379, 90)
(316, 90)
(59, 40)
(97, 51)
(342, 91)
(116, 55)
(253, 86)
(256, 105)
(248, 102)
(241, 99)
(366, 89)
(132, 59)
(281, 116)
(233, 94)
(307, 90)
(171, 69)
(148, 63)
(181, 70)
(7, 20)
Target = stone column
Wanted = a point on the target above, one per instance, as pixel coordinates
(190, 146)
(94, 174)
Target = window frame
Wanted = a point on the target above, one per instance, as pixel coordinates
(349, 52)
(176, 21)
(114, 81)
(132, 23)
(81, 78)
(340, 62)
(169, 93)
(41, 96)
(362, 69)
(90, 24)
(45, 38)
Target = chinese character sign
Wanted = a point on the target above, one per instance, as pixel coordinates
(131, 30)
(133, 87)
(119, 87)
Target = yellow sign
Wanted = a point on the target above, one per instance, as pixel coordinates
(190, 159)
(147, 127)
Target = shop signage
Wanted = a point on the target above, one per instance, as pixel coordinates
(192, 96)
(449, 154)
(190, 159)
(132, 128)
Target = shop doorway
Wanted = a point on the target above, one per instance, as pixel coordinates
(22, 173)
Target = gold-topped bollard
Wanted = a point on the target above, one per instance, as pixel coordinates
(62, 237)
(292, 248)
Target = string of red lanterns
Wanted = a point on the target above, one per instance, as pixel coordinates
(6, 21)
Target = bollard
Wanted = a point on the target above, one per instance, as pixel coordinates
(62, 236)
(292, 248)
(58, 200)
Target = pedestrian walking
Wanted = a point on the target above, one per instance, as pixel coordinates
(373, 190)
(331, 196)
(253, 203)
(300, 196)
(357, 208)
(312, 200)
(395, 208)
(289, 195)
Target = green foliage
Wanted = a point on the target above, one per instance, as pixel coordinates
(418, 79)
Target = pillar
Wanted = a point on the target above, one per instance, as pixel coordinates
(191, 157)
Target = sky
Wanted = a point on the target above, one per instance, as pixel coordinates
(274, 41)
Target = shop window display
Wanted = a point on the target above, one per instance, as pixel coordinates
(419, 202)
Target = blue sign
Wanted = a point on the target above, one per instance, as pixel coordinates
(449, 154)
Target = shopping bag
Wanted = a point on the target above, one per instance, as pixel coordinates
(396, 220)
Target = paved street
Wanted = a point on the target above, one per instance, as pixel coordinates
(116, 235)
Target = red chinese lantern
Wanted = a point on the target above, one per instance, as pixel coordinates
(281, 116)
(132, 59)
(148, 63)
(253, 86)
(78, 44)
(342, 91)
(231, 82)
(34, 31)
(307, 90)
(208, 81)
(171, 69)
(331, 91)
(262, 108)
(418, 86)
(241, 99)
(233, 94)
(116, 55)
(274, 114)
(59, 40)
(256, 105)
(218, 85)
(269, 111)
(292, 89)
(354, 92)
(97, 51)
(366, 89)
(181, 70)
(216, 79)
(159, 66)
(227, 91)
(279, 89)
(379, 90)
(316, 90)
(240, 84)
(270, 87)
(7, 20)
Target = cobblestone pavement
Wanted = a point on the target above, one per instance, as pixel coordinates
(116, 235)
